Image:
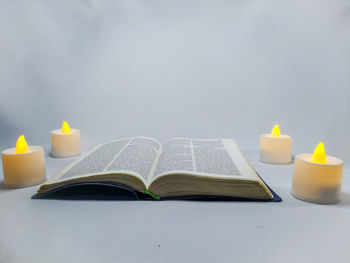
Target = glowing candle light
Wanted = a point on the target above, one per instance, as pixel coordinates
(317, 177)
(65, 142)
(65, 128)
(319, 155)
(21, 145)
(275, 148)
(23, 165)
(275, 133)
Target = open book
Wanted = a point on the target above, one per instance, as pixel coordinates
(182, 168)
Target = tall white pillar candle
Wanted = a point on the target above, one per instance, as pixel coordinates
(65, 142)
(23, 165)
(317, 181)
(275, 148)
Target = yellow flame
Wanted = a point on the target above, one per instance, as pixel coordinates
(65, 128)
(275, 133)
(319, 155)
(21, 145)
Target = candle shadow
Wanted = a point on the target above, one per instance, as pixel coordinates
(3, 186)
(345, 199)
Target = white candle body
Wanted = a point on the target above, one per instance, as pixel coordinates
(23, 169)
(275, 150)
(317, 183)
(65, 145)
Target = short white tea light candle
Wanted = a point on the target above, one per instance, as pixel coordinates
(65, 142)
(317, 177)
(275, 148)
(23, 165)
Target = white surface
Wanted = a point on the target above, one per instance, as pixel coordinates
(175, 231)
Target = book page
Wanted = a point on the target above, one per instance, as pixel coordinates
(135, 156)
(204, 157)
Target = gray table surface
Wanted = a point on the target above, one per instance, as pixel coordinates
(174, 231)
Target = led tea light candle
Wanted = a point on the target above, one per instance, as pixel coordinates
(65, 142)
(23, 165)
(275, 148)
(317, 177)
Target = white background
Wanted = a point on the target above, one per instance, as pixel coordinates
(202, 69)
(164, 69)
